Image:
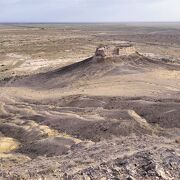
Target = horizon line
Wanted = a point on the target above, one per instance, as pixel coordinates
(83, 22)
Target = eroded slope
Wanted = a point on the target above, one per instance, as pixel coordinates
(104, 117)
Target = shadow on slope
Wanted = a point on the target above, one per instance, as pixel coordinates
(88, 69)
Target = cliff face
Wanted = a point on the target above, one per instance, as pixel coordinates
(111, 51)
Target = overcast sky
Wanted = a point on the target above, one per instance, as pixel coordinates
(89, 10)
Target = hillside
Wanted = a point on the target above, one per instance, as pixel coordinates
(115, 114)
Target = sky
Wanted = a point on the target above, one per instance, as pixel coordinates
(89, 10)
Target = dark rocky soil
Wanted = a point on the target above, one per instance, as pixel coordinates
(110, 118)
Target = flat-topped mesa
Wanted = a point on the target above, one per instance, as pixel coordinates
(106, 51)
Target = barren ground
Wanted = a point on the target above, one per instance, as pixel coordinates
(65, 115)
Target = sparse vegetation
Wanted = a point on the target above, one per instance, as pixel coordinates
(66, 114)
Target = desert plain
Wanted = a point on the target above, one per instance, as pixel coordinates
(68, 113)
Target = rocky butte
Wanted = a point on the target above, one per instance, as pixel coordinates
(107, 51)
